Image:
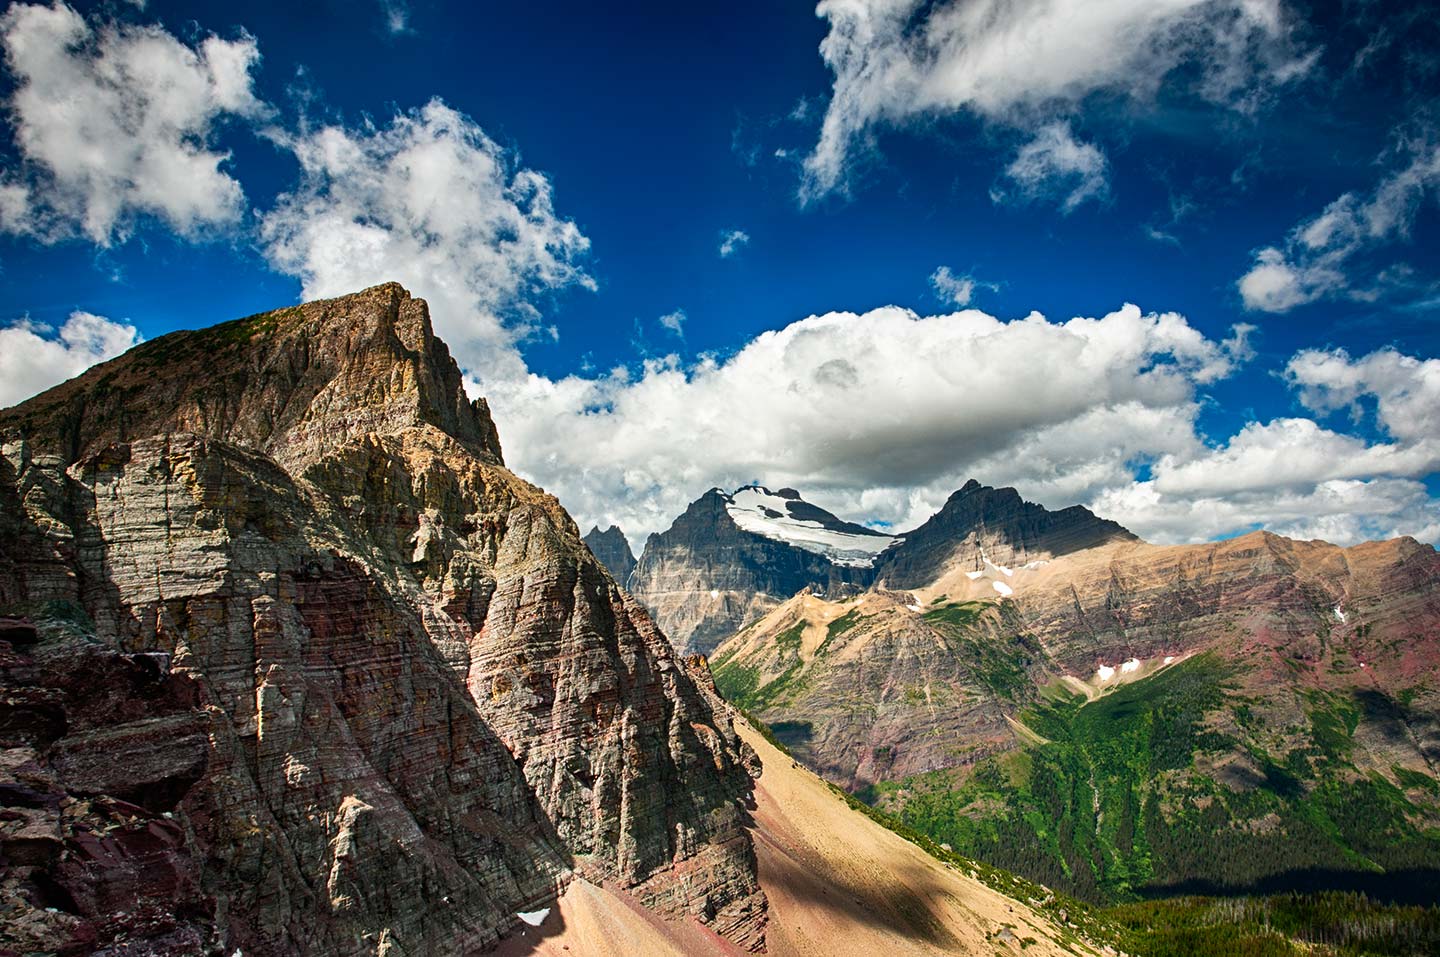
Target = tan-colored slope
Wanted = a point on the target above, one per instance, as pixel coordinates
(837, 883)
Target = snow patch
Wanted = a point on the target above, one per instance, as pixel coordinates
(714, 593)
(1339, 615)
(914, 607)
(534, 917)
(974, 575)
(1003, 588)
(1031, 566)
(1008, 573)
(1132, 665)
(756, 509)
(1105, 672)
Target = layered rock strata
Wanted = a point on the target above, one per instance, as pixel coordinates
(426, 704)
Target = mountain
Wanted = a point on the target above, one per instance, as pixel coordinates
(613, 550)
(731, 557)
(307, 647)
(979, 526)
(292, 664)
(1050, 694)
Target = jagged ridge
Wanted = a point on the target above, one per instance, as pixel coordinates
(714, 570)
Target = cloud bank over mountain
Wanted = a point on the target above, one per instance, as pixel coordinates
(877, 414)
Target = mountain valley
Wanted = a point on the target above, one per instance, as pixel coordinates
(1046, 692)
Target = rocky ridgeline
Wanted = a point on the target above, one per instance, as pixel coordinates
(979, 523)
(306, 646)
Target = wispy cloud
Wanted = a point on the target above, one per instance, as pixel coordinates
(1055, 165)
(953, 289)
(1323, 257)
(732, 241)
(901, 62)
(397, 16)
(674, 321)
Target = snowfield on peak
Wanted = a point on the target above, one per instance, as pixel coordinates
(757, 509)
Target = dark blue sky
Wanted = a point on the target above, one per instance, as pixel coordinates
(662, 126)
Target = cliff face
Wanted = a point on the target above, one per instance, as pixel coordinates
(425, 704)
(613, 550)
(705, 576)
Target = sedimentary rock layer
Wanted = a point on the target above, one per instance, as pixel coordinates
(426, 705)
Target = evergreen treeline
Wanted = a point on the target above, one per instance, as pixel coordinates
(1327, 924)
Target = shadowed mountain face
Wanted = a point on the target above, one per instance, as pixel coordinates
(613, 550)
(979, 524)
(340, 681)
(723, 563)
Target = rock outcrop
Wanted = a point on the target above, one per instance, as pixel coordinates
(613, 550)
(425, 705)
(97, 749)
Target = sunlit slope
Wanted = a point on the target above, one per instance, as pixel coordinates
(837, 882)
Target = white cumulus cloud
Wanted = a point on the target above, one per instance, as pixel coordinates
(1025, 62)
(113, 122)
(431, 201)
(34, 357)
(879, 415)
(1405, 389)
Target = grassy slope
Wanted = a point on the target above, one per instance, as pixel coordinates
(1327, 924)
(1113, 806)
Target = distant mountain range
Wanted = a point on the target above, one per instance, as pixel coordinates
(1046, 691)
(732, 557)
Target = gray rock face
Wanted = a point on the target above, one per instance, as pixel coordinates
(428, 705)
(613, 550)
(705, 577)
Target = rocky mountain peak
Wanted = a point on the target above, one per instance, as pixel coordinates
(613, 549)
(732, 556)
(290, 383)
(979, 522)
(415, 706)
